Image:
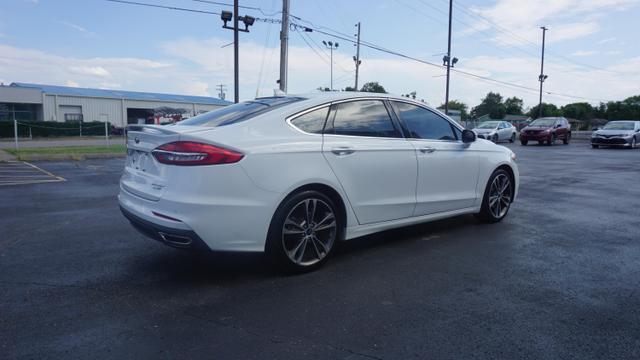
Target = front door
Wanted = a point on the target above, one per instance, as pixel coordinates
(447, 168)
(374, 163)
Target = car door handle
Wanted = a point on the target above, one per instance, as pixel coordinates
(342, 150)
(427, 149)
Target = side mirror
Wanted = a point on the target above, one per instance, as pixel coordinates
(468, 136)
(557, 126)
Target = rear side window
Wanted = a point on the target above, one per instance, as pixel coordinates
(363, 118)
(423, 123)
(235, 113)
(312, 122)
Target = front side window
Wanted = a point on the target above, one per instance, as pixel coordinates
(423, 123)
(312, 122)
(363, 118)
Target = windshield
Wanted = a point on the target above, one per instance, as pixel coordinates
(488, 125)
(543, 122)
(619, 125)
(238, 112)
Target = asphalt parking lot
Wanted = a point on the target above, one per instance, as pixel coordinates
(559, 278)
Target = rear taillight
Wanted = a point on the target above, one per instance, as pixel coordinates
(191, 153)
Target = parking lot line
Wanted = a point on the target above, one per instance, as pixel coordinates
(23, 173)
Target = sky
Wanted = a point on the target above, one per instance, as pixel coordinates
(592, 51)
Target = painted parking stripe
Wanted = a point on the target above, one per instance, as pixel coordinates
(22, 173)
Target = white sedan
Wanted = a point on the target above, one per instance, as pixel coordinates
(496, 131)
(294, 175)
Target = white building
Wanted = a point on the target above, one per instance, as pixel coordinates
(24, 102)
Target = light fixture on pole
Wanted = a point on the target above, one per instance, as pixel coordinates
(542, 77)
(331, 46)
(247, 20)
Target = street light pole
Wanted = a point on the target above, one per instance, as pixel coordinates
(331, 46)
(446, 99)
(357, 58)
(542, 77)
(236, 62)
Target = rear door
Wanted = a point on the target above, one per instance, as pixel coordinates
(447, 168)
(374, 163)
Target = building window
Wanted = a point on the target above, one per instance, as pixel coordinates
(20, 112)
(73, 117)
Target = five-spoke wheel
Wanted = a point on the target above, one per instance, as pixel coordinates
(497, 197)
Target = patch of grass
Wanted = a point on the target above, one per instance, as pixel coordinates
(70, 150)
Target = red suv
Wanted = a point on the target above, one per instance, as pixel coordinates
(546, 130)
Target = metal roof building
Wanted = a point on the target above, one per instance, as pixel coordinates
(24, 101)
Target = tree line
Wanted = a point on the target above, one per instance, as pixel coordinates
(497, 107)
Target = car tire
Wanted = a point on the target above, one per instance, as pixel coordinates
(513, 138)
(566, 139)
(303, 232)
(540, 142)
(495, 138)
(594, 146)
(551, 140)
(497, 198)
(633, 142)
(524, 142)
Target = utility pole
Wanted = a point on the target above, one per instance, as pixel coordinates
(330, 45)
(446, 98)
(221, 90)
(227, 16)
(542, 77)
(284, 46)
(357, 57)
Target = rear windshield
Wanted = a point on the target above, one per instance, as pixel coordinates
(239, 112)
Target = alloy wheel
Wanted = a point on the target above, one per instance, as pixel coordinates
(309, 231)
(500, 196)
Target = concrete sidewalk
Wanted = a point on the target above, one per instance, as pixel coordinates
(55, 142)
(5, 156)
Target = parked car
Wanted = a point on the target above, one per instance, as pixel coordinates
(496, 131)
(293, 175)
(546, 130)
(617, 133)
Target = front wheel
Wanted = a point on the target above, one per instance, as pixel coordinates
(633, 143)
(566, 139)
(513, 138)
(523, 142)
(303, 231)
(494, 138)
(595, 146)
(497, 199)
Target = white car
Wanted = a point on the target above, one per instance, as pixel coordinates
(294, 175)
(496, 131)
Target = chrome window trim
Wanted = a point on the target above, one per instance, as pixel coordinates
(436, 112)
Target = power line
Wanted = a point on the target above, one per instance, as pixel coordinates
(163, 7)
(240, 6)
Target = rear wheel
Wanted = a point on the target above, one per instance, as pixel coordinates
(633, 143)
(524, 142)
(497, 197)
(594, 146)
(566, 139)
(513, 138)
(303, 231)
(540, 142)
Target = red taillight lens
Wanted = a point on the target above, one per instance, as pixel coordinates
(191, 153)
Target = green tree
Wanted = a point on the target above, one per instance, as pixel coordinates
(513, 106)
(373, 87)
(350, 88)
(547, 110)
(490, 104)
(457, 105)
(580, 111)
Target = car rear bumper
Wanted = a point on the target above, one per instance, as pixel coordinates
(178, 238)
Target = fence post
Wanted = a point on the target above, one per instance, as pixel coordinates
(106, 132)
(80, 123)
(30, 134)
(15, 132)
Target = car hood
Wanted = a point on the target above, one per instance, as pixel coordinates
(537, 127)
(483, 131)
(613, 132)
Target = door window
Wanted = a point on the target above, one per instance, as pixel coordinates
(423, 123)
(363, 118)
(312, 122)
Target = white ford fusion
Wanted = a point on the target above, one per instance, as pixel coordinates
(294, 175)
